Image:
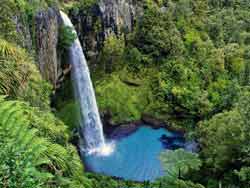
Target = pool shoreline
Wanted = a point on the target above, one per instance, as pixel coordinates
(136, 156)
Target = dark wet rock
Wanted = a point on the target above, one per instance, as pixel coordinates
(163, 138)
(107, 17)
(167, 139)
(107, 118)
(150, 120)
(119, 15)
(180, 130)
(42, 36)
(124, 130)
(47, 23)
(174, 147)
(174, 141)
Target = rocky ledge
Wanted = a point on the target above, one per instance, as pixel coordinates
(117, 131)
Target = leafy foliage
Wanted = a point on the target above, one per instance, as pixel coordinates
(193, 77)
(126, 102)
(112, 53)
(161, 40)
(72, 119)
(19, 77)
(28, 160)
(66, 37)
(76, 5)
(16, 18)
(244, 175)
(179, 162)
(221, 137)
(196, 58)
(165, 182)
(225, 143)
(185, 61)
(19, 159)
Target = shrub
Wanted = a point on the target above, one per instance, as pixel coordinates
(66, 37)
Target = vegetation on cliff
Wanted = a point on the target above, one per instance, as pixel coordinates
(190, 74)
(189, 60)
(34, 144)
(186, 62)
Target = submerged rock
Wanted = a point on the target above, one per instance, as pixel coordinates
(173, 141)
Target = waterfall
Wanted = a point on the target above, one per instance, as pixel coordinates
(90, 122)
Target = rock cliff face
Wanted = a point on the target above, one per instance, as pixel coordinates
(47, 25)
(93, 26)
(42, 36)
(118, 15)
(103, 19)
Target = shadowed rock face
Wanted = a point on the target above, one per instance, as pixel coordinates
(46, 38)
(93, 26)
(43, 38)
(103, 19)
(117, 15)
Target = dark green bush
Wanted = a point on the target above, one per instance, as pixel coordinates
(66, 37)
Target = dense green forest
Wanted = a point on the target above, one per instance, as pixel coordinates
(187, 63)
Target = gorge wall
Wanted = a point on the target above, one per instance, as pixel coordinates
(103, 19)
(93, 25)
(47, 25)
(41, 37)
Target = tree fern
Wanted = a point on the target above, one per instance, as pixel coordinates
(7, 26)
(49, 126)
(14, 65)
(178, 162)
(17, 149)
(20, 78)
(29, 160)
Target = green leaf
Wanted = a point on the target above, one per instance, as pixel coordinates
(179, 161)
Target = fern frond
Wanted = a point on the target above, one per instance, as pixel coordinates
(34, 156)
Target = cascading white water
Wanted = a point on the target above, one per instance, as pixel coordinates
(91, 124)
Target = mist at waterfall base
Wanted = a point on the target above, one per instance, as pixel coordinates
(136, 156)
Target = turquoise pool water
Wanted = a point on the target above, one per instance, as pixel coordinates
(136, 157)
